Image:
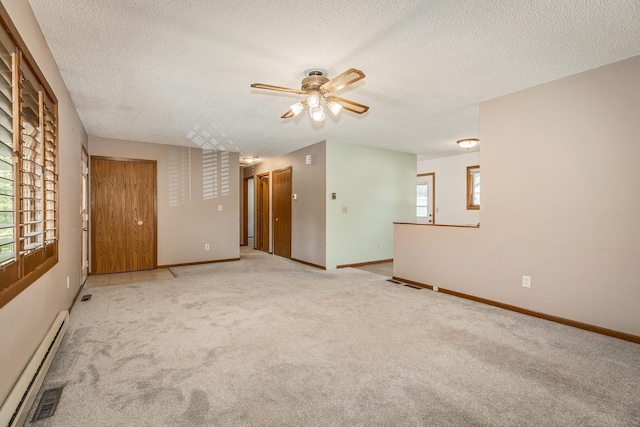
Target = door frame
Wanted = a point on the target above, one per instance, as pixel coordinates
(84, 216)
(155, 205)
(245, 209)
(261, 207)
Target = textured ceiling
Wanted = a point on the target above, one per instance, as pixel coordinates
(179, 72)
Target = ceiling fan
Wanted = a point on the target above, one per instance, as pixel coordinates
(319, 90)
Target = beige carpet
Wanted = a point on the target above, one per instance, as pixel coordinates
(127, 278)
(269, 342)
(383, 269)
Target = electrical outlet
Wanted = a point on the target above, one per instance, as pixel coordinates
(219, 208)
(526, 281)
(436, 289)
(206, 247)
(378, 246)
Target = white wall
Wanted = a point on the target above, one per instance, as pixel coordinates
(377, 187)
(186, 221)
(250, 207)
(451, 188)
(25, 320)
(559, 204)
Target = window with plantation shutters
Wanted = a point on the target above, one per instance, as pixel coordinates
(7, 179)
(28, 167)
(50, 172)
(31, 162)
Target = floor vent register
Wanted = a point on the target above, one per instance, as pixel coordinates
(48, 404)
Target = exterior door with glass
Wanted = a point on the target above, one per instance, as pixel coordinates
(425, 198)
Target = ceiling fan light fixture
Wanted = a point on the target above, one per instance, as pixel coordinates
(319, 93)
(297, 108)
(334, 107)
(313, 100)
(468, 143)
(316, 113)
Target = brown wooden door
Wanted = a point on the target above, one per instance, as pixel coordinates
(262, 214)
(282, 212)
(123, 215)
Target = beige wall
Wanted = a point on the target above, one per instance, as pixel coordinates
(308, 216)
(186, 222)
(25, 320)
(559, 203)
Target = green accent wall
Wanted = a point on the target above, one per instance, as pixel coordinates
(377, 187)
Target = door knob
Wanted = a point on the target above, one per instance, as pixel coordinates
(140, 223)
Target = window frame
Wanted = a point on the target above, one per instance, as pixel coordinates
(471, 192)
(35, 228)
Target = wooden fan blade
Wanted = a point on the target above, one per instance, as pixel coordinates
(278, 88)
(349, 105)
(345, 79)
(287, 115)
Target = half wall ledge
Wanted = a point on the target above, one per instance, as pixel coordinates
(438, 225)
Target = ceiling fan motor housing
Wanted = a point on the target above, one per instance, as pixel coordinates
(314, 81)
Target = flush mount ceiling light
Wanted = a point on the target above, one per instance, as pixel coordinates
(319, 89)
(468, 143)
(249, 160)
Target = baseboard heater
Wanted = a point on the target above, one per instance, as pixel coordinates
(16, 407)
